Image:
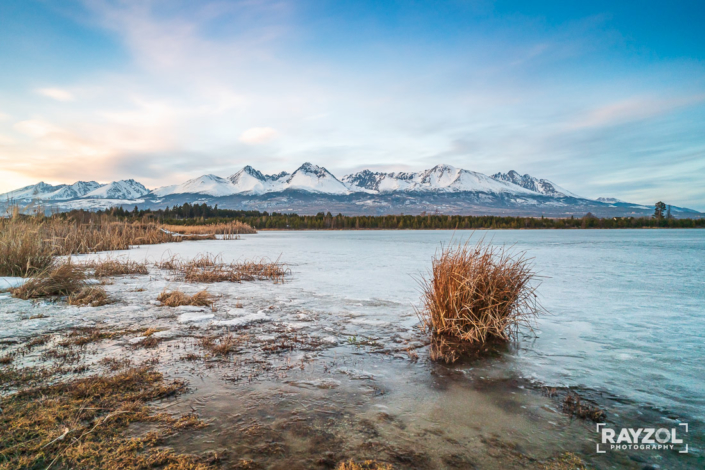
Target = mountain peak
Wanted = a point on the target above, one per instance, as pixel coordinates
(540, 186)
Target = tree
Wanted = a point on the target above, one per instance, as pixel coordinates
(659, 208)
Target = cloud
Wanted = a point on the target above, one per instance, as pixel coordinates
(633, 109)
(56, 93)
(257, 135)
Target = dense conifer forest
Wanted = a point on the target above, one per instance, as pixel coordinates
(199, 214)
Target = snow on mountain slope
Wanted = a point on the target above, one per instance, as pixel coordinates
(44, 191)
(443, 178)
(207, 184)
(251, 181)
(536, 185)
(73, 191)
(309, 177)
(123, 189)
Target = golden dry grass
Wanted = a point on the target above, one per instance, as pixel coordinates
(61, 280)
(211, 268)
(116, 267)
(27, 244)
(81, 424)
(476, 293)
(231, 228)
(177, 298)
(94, 296)
(366, 465)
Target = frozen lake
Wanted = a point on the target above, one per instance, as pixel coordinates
(627, 307)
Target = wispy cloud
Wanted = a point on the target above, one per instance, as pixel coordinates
(257, 135)
(56, 93)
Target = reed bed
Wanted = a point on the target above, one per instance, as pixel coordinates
(211, 268)
(177, 299)
(479, 293)
(28, 244)
(231, 228)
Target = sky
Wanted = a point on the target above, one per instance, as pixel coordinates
(603, 98)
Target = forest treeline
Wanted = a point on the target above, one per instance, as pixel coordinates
(199, 214)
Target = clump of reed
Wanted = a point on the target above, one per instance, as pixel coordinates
(64, 279)
(116, 267)
(211, 268)
(231, 228)
(177, 298)
(22, 249)
(479, 293)
(94, 296)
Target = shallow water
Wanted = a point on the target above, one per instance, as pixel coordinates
(627, 321)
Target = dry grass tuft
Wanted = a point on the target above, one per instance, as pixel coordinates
(6, 360)
(366, 465)
(63, 279)
(177, 298)
(211, 268)
(477, 293)
(90, 295)
(219, 346)
(116, 267)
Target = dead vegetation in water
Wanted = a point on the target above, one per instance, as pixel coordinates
(219, 346)
(209, 268)
(93, 296)
(177, 298)
(566, 461)
(479, 293)
(365, 465)
(62, 279)
(575, 406)
(82, 424)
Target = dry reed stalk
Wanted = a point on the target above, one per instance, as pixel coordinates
(477, 293)
(116, 267)
(94, 296)
(63, 279)
(27, 244)
(177, 298)
(231, 228)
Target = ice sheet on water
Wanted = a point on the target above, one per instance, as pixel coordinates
(7, 283)
(195, 316)
(244, 319)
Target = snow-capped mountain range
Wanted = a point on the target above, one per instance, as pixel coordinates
(123, 189)
(313, 178)
(442, 188)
